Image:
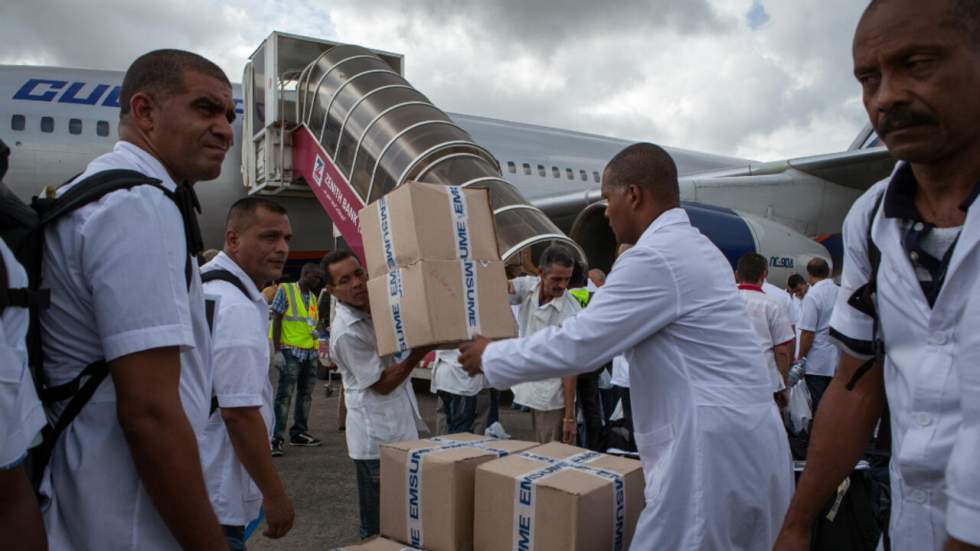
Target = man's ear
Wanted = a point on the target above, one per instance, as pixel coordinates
(142, 111)
(634, 196)
(231, 240)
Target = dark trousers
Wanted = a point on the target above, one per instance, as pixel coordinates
(465, 413)
(298, 376)
(235, 536)
(369, 495)
(817, 385)
(588, 400)
(494, 414)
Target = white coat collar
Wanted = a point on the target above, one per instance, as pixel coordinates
(224, 262)
(147, 163)
(672, 217)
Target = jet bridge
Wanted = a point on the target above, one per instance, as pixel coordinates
(340, 122)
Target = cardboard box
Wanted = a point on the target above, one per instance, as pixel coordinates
(557, 498)
(419, 221)
(440, 302)
(377, 544)
(428, 488)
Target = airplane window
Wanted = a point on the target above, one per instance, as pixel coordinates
(511, 167)
(527, 169)
(47, 124)
(570, 173)
(555, 172)
(595, 176)
(17, 122)
(582, 175)
(541, 171)
(102, 128)
(75, 126)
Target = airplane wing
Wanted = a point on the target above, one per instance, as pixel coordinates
(856, 169)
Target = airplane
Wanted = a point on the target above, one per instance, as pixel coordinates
(55, 120)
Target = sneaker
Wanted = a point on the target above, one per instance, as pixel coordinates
(304, 439)
(276, 447)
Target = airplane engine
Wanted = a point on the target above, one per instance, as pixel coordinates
(734, 233)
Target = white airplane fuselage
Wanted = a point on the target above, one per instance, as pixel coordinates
(56, 120)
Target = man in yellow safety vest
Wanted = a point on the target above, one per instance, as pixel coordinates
(294, 321)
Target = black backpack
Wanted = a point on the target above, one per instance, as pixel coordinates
(22, 228)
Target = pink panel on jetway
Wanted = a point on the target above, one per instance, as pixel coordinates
(331, 189)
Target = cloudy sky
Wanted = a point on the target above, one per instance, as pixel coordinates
(764, 79)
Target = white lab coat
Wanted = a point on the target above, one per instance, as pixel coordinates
(921, 361)
(715, 456)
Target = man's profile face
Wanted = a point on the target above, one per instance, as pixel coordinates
(617, 210)
(311, 278)
(554, 280)
(192, 131)
(349, 283)
(920, 79)
(262, 247)
(800, 290)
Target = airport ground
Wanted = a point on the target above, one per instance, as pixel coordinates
(321, 480)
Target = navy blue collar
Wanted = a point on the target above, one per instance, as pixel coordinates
(899, 199)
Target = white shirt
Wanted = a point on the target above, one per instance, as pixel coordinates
(818, 306)
(546, 394)
(240, 362)
(963, 476)
(620, 372)
(921, 381)
(715, 457)
(372, 418)
(449, 376)
(116, 270)
(21, 414)
(784, 299)
(771, 327)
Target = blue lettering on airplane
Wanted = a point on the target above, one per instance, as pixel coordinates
(781, 262)
(62, 91)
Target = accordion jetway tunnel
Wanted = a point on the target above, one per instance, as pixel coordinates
(341, 121)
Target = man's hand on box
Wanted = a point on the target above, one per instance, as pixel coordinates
(471, 355)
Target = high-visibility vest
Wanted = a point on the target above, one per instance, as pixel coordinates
(583, 296)
(298, 321)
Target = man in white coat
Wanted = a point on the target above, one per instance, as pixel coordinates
(714, 452)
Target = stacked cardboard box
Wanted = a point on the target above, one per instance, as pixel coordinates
(557, 498)
(435, 273)
(377, 544)
(427, 488)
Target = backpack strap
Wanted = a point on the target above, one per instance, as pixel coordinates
(210, 307)
(80, 393)
(864, 299)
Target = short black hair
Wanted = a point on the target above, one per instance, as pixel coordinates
(332, 258)
(556, 254)
(160, 74)
(818, 267)
(4, 156)
(242, 212)
(648, 166)
(961, 15)
(795, 281)
(751, 268)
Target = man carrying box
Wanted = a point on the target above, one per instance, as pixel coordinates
(713, 447)
(381, 406)
(545, 302)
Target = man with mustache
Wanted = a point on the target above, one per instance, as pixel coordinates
(126, 295)
(237, 464)
(913, 239)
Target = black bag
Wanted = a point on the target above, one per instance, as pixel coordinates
(22, 228)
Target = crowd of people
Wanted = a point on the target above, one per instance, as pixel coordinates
(156, 366)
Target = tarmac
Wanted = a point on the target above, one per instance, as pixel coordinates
(321, 481)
